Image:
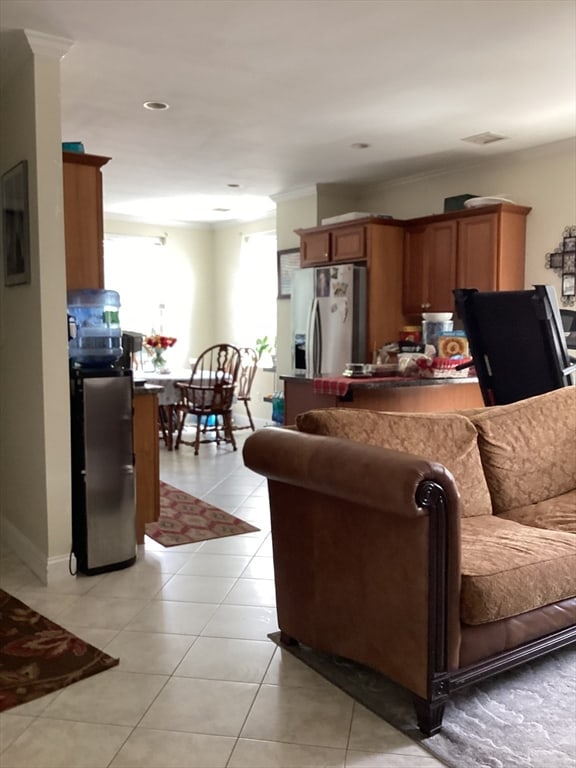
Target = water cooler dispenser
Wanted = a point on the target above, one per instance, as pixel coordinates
(103, 487)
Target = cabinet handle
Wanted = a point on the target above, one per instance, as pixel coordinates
(425, 306)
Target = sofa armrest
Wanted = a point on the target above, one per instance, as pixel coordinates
(364, 474)
(365, 567)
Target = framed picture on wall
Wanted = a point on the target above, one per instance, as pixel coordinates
(288, 261)
(15, 225)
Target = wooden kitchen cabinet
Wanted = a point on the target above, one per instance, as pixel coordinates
(376, 243)
(83, 220)
(481, 248)
(146, 459)
(429, 267)
(342, 243)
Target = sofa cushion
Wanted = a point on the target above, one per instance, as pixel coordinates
(445, 438)
(508, 568)
(527, 448)
(557, 514)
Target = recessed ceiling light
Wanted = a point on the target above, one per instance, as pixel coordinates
(233, 186)
(484, 138)
(156, 105)
(221, 210)
(359, 145)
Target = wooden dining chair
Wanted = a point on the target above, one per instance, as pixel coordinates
(209, 396)
(246, 374)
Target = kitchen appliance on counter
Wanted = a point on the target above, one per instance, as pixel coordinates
(103, 481)
(328, 319)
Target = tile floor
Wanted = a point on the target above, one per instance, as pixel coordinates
(199, 684)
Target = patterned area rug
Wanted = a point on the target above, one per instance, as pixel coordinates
(38, 656)
(185, 519)
(523, 718)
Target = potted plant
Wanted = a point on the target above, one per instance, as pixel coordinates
(264, 346)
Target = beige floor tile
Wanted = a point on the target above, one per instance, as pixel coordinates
(11, 726)
(131, 582)
(113, 696)
(57, 744)
(266, 547)
(369, 732)
(272, 754)
(93, 635)
(252, 592)
(259, 568)
(207, 564)
(49, 604)
(173, 617)
(152, 749)
(217, 658)
(285, 669)
(102, 612)
(196, 589)
(160, 559)
(232, 545)
(314, 716)
(247, 622)
(152, 653)
(201, 706)
(356, 759)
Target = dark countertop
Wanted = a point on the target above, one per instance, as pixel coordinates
(147, 389)
(381, 382)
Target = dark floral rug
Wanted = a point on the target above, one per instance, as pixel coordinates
(38, 656)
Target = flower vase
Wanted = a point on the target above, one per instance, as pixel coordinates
(159, 361)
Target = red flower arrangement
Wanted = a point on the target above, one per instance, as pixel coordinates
(156, 344)
(157, 341)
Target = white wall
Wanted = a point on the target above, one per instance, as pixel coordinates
(34, 412)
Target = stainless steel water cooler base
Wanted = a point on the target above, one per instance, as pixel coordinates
(103, 491)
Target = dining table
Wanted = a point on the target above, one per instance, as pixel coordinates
(168, 398)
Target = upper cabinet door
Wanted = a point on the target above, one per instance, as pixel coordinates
(83, 220)
(441, 249)
(314, 248)
(478, 253)
(415, 280)
(349, 244)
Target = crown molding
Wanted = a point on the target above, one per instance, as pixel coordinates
(42, 44)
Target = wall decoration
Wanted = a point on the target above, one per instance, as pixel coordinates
(15, 225)
(562, 260)
(288, 261)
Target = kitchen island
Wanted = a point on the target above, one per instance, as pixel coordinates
(406, 394)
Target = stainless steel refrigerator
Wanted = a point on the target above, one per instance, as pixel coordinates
(103, 488)
(328, 319)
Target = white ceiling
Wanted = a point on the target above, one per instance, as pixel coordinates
(271, 94)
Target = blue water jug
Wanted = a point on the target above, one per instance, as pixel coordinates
(96, 338)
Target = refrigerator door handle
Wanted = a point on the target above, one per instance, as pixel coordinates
(314, 341)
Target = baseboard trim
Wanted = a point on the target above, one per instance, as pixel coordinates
(46, 568)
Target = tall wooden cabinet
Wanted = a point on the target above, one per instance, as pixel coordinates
(480, 248)
(378, 244)
(83, 220)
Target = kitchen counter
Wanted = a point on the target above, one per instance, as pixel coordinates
(390, 393)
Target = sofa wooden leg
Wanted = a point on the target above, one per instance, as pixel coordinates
(429, 715)
(287, 639)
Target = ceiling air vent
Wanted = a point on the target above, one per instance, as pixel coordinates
(484, 138)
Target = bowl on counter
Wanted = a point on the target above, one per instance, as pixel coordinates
(437, 317)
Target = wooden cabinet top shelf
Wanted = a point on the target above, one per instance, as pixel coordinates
(347, 224)
(81, 158)
(467, 212)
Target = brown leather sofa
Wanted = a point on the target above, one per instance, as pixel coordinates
(438, 549)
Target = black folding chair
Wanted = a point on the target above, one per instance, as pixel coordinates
(516, 341)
